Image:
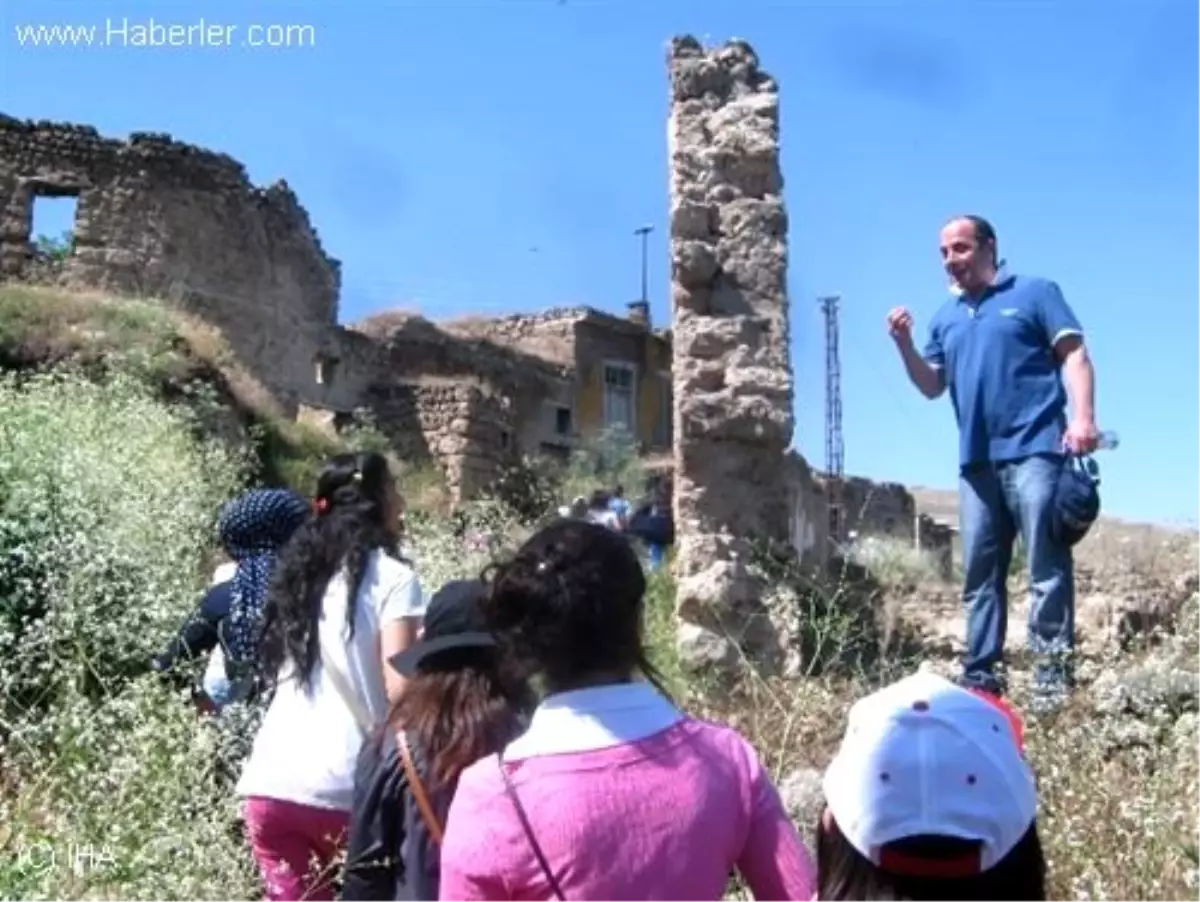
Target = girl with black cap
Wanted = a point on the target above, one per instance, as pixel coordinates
(455, 709)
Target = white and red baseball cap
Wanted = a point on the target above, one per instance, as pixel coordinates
(925, 757)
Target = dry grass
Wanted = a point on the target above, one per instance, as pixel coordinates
(1118, 817)
(206, 343)
(185, 356)
(41, 325)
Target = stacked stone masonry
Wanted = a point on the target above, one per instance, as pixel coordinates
(464, 427)
(732, 371)
(879, 509)
(159, 218)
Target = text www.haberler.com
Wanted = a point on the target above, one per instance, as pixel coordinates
(136, 34)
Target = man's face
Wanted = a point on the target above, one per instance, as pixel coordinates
(967, 261)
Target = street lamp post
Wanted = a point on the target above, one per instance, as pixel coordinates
(644, 232)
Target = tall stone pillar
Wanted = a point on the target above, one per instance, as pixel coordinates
(731, 369)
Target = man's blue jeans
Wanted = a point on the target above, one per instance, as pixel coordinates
(998, 502)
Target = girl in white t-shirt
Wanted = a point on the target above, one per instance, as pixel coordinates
(343, 600)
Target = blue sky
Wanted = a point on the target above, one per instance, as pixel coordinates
(497, 156)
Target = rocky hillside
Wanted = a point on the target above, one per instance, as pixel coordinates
(1131, 579)
(1113, 547)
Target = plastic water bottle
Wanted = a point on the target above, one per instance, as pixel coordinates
(1108, 441)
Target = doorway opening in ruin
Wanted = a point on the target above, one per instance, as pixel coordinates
(325, 368)
(52, 227)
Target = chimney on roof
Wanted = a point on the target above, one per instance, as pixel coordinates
(639, 312)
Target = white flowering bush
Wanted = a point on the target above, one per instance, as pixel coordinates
(108, 501)
(462, 547)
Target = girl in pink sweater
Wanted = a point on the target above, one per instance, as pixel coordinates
(612, 793)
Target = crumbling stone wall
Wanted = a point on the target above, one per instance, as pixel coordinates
(878, 508)
(731, 368)
(465, 402)
(160, 218)
(809, 527)
(549, 335)
(938, 539)
(466, 428)
(874, 509)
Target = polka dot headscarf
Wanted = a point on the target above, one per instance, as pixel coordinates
(253, 528)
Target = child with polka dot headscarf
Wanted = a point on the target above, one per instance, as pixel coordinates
(253, 528)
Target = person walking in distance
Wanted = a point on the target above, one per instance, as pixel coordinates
(1003, 345)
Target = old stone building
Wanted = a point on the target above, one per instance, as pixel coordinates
(159, 218)
(156, 217)
(620, 373)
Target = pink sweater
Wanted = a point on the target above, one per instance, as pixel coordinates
(667, 816)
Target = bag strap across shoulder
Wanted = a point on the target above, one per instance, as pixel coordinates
(528, 828)
(417, 788)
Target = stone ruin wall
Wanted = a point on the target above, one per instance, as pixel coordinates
(878, 508)
(875, 509)
(469, 404)
(159, 218)
(731, 369)
(808, 529)
(549, 335)
(464, 428)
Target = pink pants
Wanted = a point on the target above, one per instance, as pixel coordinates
(296, 847)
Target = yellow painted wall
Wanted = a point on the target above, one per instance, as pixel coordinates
(651, 403)
(653, 361)
(589, 401)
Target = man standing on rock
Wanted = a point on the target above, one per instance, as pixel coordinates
(1000, 345)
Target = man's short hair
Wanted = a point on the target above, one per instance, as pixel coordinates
(985, 233)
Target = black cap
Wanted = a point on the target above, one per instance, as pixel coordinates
(1076, 499)
(453, 620)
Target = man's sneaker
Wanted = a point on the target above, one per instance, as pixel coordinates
(991, 684)
(1048, 697)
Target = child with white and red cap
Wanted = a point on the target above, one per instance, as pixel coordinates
(930, 797)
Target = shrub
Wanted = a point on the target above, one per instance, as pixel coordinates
(107, 509)
(608, 460)
(895, 562)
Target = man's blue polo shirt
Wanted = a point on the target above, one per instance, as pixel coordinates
(997, 354)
